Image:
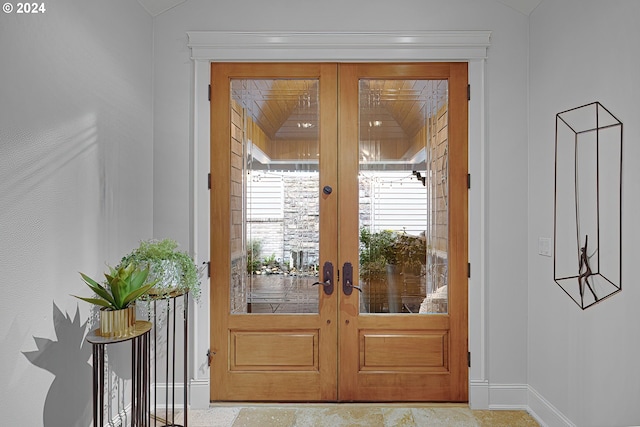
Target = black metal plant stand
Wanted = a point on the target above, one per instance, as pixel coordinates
(140, 414)
(170, 352)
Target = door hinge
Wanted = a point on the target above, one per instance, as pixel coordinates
(210, 356)
(468, 181)
(469, 270)
(468, 92)
(208, 268)
(209, 181)
(469, 358)
(209, 93)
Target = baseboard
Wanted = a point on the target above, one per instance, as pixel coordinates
(544, 412)
(508, 396)
(200, 394)
(174, 399)
(479, 394)
(484, 395)
(198, 399)
(121, 418)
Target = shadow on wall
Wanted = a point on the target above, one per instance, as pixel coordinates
(69, 401)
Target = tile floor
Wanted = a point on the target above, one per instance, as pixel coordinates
(353, 415)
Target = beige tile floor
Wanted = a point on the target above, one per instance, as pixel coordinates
(353, 415)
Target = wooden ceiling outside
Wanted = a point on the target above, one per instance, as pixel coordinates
(286, 109)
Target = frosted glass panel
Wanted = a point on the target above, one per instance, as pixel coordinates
(275, 188)
(403, 196)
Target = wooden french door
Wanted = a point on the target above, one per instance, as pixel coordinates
(339, 232)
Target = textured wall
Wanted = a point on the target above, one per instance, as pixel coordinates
(75, 189)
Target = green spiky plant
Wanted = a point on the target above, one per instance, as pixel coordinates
(124, 285)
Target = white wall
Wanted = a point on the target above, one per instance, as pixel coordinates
(505, 157)
(583, 363)
(75, 189)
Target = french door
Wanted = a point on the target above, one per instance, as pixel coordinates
(339, 232)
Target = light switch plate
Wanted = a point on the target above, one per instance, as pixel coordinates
(544, 246)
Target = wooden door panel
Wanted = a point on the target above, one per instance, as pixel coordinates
(262, 386)
(418, 351)
(274, 350)
(403, 387)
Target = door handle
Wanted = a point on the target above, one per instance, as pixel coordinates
(327, 277)
(347, 279)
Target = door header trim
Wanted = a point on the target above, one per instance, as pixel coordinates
(228, 46)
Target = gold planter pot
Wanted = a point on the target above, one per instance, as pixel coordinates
(118, 323)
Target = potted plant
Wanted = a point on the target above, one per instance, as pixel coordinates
(385, 256)
(253, 256)
(411, 252)
(123, 286)
(378, 259)
(173, 270)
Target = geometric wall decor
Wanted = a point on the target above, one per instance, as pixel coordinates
(587, 261)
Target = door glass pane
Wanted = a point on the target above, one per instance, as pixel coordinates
(275, 187)
(403, 196)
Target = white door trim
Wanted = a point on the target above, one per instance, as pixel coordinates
(284, 46)
(225, 46)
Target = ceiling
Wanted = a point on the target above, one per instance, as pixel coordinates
(287, 109)
(523, 6)
(156, 7)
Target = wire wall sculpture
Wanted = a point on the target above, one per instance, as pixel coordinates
(587, 261)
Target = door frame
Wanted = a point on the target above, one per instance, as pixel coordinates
(415, 46)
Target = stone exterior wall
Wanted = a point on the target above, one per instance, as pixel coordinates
(292, 238)
(301, 242)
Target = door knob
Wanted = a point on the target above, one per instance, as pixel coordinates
(347, 279)
(350, 286)
(327, 283)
